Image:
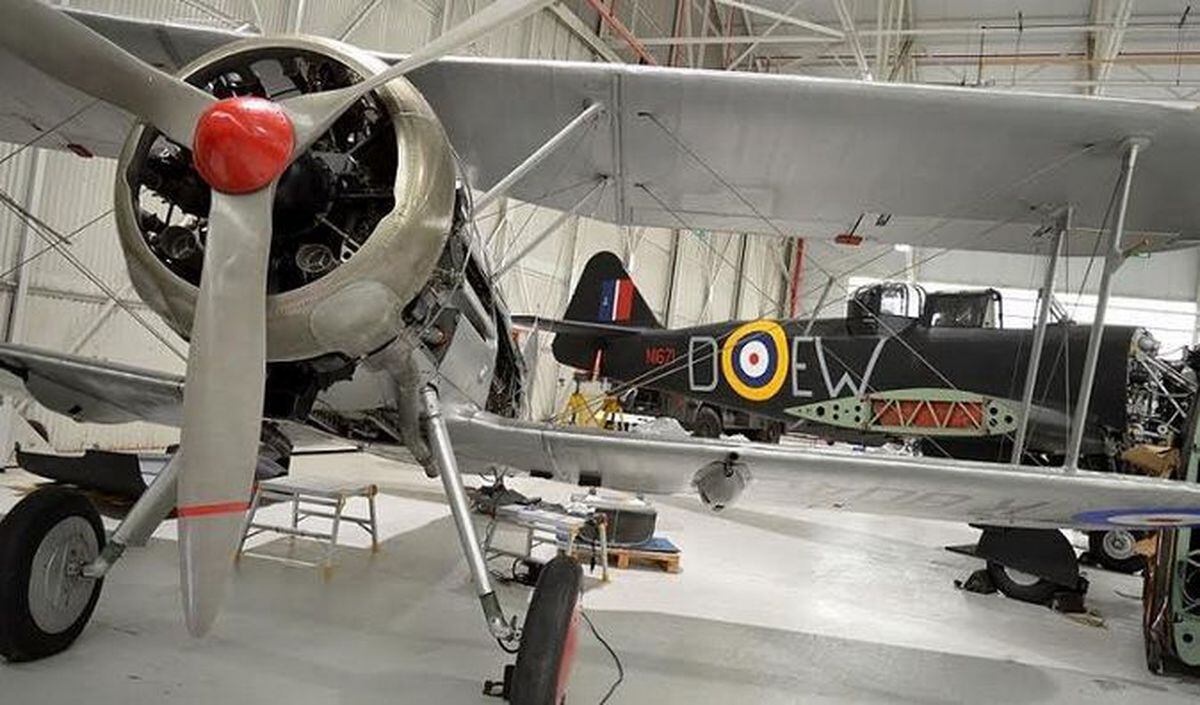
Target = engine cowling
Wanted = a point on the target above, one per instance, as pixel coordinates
(359, 222)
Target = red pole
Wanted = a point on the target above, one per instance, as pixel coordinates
(619, 27)
(797, 278)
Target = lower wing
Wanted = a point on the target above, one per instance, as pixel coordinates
(974, 492)
(89, 390)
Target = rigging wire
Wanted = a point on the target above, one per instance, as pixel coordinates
(1054, 165)
(668, 368)
(69, 238)
(891, 333)
(987, 196)
(577, 141)
(58, 242)
(47, 132)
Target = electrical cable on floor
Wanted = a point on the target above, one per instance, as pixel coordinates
(616, 659)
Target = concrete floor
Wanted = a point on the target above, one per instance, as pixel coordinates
(772, 606)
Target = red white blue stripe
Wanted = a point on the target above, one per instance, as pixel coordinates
(616, 300)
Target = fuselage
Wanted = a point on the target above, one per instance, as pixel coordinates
(901, 379)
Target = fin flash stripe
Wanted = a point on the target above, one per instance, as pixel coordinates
(202, 510)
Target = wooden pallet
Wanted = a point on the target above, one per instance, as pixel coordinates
(623, 558)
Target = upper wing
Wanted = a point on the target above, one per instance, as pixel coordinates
(985, 493)
(35, 103)
(90, 390)
(958, 168)
(961, 168)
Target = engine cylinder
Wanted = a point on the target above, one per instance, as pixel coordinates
(343, 266)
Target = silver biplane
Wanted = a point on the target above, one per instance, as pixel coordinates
(301, 211)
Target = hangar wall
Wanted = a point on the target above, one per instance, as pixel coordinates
(49, 303)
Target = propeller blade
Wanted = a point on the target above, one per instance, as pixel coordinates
(223, 398)
(72, 53)
(314, 113)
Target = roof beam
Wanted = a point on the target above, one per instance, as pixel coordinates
(924, 31)
(754, 45)
(783, 17)
(622, 31)
(851, 34)
(1105, 45)
(572, 22)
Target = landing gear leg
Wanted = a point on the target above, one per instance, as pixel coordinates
(551, 630)
(442, 455)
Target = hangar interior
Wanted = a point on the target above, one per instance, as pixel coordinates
(774, 605)
(687, 277)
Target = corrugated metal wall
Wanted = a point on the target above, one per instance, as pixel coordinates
(66, 312)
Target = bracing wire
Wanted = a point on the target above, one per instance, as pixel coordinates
(671, 367)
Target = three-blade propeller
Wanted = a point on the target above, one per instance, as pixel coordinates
(240, 146)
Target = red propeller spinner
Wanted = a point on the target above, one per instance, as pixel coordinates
(242, 144)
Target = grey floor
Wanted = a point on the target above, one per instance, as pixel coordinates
(772, 606)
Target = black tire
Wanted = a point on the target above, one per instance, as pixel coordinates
(707, 423)
(1039, 592)
(22, 533)
(1101, 549)
(770, 434)
(549, 637)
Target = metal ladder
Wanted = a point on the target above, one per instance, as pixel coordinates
(311, 497)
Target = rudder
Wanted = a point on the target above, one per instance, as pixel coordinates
(607, 297)
(606, 294)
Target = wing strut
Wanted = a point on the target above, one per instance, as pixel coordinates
(812, 317)
(1062, 227)
(538, 156)
(1113, 258)
(601, 184)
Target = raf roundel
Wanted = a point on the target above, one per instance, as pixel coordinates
(754, 360)
(1149, 518)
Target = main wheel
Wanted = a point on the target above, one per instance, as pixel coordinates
(44, 601)
(1115, 550)
(1021, 586)
(707, 423)
(770, 434)
(549, 637)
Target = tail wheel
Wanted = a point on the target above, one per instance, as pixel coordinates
(771, 434)
(44, 600)
(550, 636)
(1116, 550)
(1021, 586)
(708, 423)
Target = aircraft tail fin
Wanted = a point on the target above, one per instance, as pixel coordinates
(606, 305)
(607, 295)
